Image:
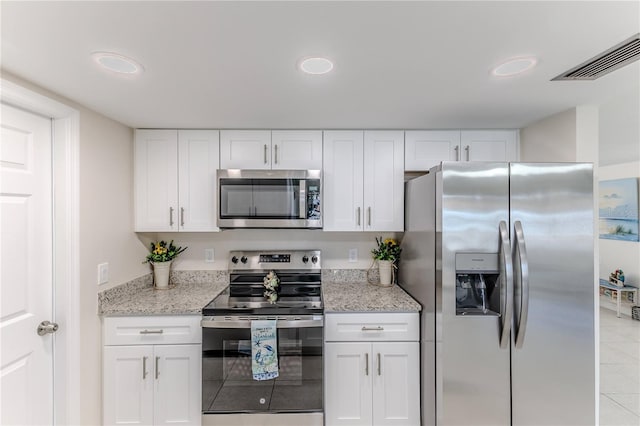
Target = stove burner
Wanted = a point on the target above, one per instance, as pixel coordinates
(299, 291)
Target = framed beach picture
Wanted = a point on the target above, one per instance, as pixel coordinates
(619, 209)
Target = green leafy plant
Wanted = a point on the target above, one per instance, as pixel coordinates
(388, 249)
(161, 252)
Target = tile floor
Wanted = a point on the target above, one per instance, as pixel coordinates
(619, 370)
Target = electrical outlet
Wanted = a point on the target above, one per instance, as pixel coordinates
(103, 273)
(353, 255)
(208, 255)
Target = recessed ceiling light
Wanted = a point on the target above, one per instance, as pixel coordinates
(316, 65)
(117, 63)
(514, 66)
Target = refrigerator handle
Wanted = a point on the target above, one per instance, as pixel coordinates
(506, 285)
(522, 278)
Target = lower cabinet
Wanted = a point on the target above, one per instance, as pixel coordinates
(372, 382)
(151, 384)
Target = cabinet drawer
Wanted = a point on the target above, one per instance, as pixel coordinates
(145, 330)
(371, 327)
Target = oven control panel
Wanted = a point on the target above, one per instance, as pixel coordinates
(272, 259)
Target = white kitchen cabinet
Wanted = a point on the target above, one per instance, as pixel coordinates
(424, 149)
(427, 148)
(369, 381)
(489, 145)
(277, 150)
(363, 176)
(175, 188)
(148, 379)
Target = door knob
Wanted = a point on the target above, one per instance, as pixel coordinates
(47, 327)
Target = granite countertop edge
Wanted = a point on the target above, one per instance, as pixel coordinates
(181, 299)
(362, 297)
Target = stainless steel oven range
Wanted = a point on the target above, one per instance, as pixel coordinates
(228, 388)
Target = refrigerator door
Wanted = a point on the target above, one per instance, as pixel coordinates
(472, 370)
(553, 349)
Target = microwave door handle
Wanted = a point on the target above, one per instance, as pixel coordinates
(303, 199)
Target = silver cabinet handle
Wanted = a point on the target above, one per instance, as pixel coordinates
(369, 216)
(157, 371)
(366, 364)
(181, 216)
(523, 282)
(378, 328)
(379, 367)
(170, 216)
(144, 367)
(506, 284)
(457, 150)
(358, 215)
(47, 327)
(276, 154)
(468, 149)
(151, 331)
(265, 153)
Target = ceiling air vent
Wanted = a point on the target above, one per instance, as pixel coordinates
(609, 60)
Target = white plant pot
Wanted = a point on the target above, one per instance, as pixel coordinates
(385, 267)
(161, 274)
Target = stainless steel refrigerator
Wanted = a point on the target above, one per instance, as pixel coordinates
(501, 255)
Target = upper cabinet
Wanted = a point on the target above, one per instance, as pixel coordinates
(489, 145)
(427, 148)
(363, 181)
(263, 149)
(175, 180)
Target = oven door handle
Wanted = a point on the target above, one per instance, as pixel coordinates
(246, 323)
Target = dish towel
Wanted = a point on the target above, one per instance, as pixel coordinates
(264, 350)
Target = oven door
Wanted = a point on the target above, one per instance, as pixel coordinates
(227, 379)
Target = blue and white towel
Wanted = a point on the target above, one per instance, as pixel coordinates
(264, 350)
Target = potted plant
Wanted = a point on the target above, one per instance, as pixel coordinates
(161, 256)
(387, 254)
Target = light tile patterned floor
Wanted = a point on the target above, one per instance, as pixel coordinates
(619, 370)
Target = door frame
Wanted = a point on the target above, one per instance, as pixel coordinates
(66, 243)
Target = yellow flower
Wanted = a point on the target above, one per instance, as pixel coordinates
(391, 241)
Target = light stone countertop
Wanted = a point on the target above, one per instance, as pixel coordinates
(360, 296)
(179, 299)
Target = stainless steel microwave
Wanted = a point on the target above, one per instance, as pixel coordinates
(269, 198)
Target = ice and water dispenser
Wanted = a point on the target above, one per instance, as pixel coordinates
(477, 284)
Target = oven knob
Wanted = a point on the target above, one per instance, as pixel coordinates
(314, 259)
(305, 258)
(234, 259)
(243, 259)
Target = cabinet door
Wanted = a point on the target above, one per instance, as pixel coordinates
(177, 377)
(396, 383)
(348, 372)
(424, 149)
(296, 149)
(199, 158)
(156, 180)
(384, 181)
(128, 385)
(245, 149)
(343, 181)
(489, 145)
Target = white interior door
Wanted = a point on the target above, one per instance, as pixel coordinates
(26, 284)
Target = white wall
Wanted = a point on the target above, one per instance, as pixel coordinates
(620, 129)
(334, 245)
(106, 232)
(551, 139)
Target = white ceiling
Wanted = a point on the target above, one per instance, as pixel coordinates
(397, 64)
